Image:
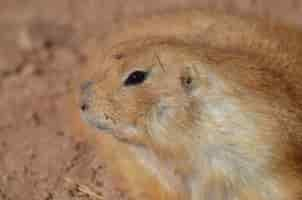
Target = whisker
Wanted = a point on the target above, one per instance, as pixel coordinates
(159, 61)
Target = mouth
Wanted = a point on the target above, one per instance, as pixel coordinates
(94, 122)
(122, 132)
(103, 127)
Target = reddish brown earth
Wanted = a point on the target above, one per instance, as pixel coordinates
(41, 52)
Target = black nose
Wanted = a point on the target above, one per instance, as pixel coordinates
(84, 107)
(85, 95)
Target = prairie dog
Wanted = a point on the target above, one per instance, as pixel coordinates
(207, 105)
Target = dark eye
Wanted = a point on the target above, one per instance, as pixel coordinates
(186, 81)
(136, 77)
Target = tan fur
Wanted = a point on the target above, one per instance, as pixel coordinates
(232, 132)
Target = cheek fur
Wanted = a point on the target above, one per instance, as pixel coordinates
(170, 119)
(132, 104)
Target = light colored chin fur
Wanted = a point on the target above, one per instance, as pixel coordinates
(231, 158)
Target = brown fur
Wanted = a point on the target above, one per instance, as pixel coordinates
(259, 67)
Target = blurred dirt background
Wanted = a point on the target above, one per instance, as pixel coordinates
(41, 51)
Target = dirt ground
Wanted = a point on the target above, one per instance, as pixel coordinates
(41, 52)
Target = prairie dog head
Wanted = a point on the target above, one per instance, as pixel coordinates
(145, 95)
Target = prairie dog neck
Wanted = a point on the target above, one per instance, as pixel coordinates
(232, 158)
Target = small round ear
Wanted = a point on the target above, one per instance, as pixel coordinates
(190, 79)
